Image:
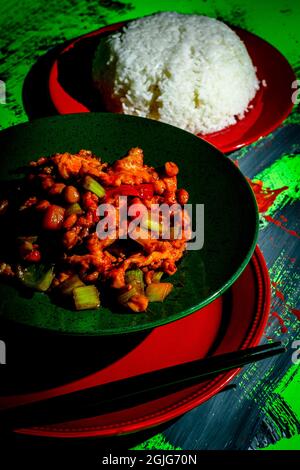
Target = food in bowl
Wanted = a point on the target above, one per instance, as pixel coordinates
(67, 236)
(190, 71)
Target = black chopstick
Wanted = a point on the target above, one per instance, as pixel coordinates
(134, 390)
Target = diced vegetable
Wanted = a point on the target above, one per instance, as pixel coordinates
(123, 190)
(6, 270)
(157, 275)
(26, 246)
(135, 278)
(86, 297)
(92, 185)
(126, 296)
(144, 190)
(70, 284)
(36, 276)
(53, 217)
(33, 256)
(138, 303)
(74, 209)
(152, 225)
(158, 291)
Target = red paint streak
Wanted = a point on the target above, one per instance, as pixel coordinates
(296, 312)
(281, 322)
(279, 224)
(279, 294)
(275, 284)
(265, 197)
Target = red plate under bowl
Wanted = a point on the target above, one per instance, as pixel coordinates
(244, 309)
(271, 105)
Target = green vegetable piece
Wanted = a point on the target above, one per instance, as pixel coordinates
(157, 292)
(152, 225)
(70, 284)
(126, 296)
(74, 209)
(86, 297)
(157, 276)
(135, 278)
(92, 185)
(36, 276)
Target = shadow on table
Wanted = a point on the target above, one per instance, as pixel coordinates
(74, 74)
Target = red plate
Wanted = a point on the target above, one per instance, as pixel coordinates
(243, 310)
(271, 105)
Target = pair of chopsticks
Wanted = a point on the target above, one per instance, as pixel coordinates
(133, 390)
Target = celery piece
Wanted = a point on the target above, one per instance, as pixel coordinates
(46, 281)
(36, 276)
(74, 209)
(158, 291)
(138, 303)
(69, 284)
(126, 296)
(92, 185)
(152, 225)
(135, 278)
(157, 276)
(86, 297)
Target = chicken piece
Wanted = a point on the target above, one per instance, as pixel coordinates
(129, 170)
(93, 263)
(73, 164)
(134, 161)
(95, 246)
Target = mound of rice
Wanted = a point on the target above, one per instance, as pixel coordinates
(187, 70)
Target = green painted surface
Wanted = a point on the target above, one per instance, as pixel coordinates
(286, 444)
(289, 388)
(156, 442)
(283, 172)
(29, 29)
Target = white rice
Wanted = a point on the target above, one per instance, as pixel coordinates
(187, 70)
